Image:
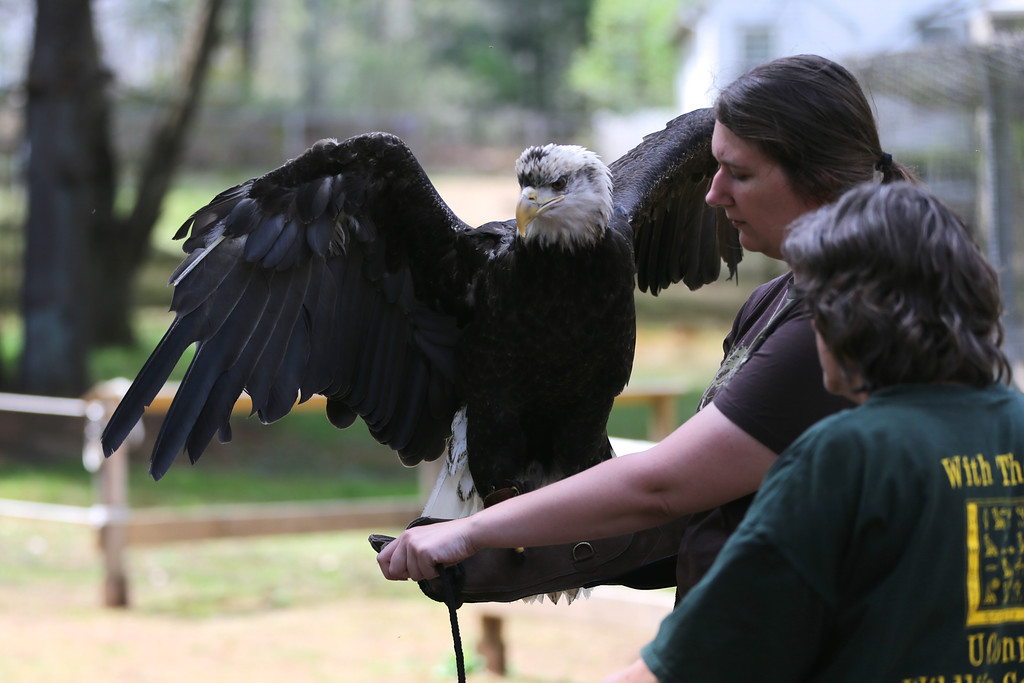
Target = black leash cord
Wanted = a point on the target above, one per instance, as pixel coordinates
(449, 600)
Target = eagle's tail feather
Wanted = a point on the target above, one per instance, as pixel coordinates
(454, 493)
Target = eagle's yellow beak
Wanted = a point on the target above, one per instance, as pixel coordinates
(531, 205)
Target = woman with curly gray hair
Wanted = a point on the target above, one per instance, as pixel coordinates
(898, 292)
(885, 544)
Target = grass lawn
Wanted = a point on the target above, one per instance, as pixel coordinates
(226, 576)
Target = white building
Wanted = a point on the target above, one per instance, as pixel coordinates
(944, 77)
(723, 38)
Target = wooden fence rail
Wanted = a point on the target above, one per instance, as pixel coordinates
(119, 527)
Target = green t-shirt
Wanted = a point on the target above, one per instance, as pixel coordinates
(886, 544)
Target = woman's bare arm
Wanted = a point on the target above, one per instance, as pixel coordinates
(704, 463)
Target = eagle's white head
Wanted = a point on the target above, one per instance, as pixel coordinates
(566, 198)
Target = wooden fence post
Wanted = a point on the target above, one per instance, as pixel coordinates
(113, 533)
(492, 644)
(663, 417)
(111, 480)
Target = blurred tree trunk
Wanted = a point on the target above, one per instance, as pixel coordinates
(81, 259)
(70, 192)
(121, 245)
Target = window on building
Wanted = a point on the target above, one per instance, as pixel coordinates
(756, 45)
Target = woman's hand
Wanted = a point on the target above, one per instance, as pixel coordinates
(416, 553)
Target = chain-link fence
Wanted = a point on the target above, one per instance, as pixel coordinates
(956, 114)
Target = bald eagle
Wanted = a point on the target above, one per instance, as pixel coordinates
(343, 273)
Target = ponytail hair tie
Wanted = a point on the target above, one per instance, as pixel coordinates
(885, 162)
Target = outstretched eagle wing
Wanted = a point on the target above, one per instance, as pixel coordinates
(341, 273)
(660, 186)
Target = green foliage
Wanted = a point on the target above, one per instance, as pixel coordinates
(428, 58)
(630, 60)
(516, 52)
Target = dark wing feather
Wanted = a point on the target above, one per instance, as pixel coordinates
(341, 273)
(660, 186)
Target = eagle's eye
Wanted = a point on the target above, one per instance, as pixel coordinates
(560, 184)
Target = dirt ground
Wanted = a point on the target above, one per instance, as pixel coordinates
(66, 637)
